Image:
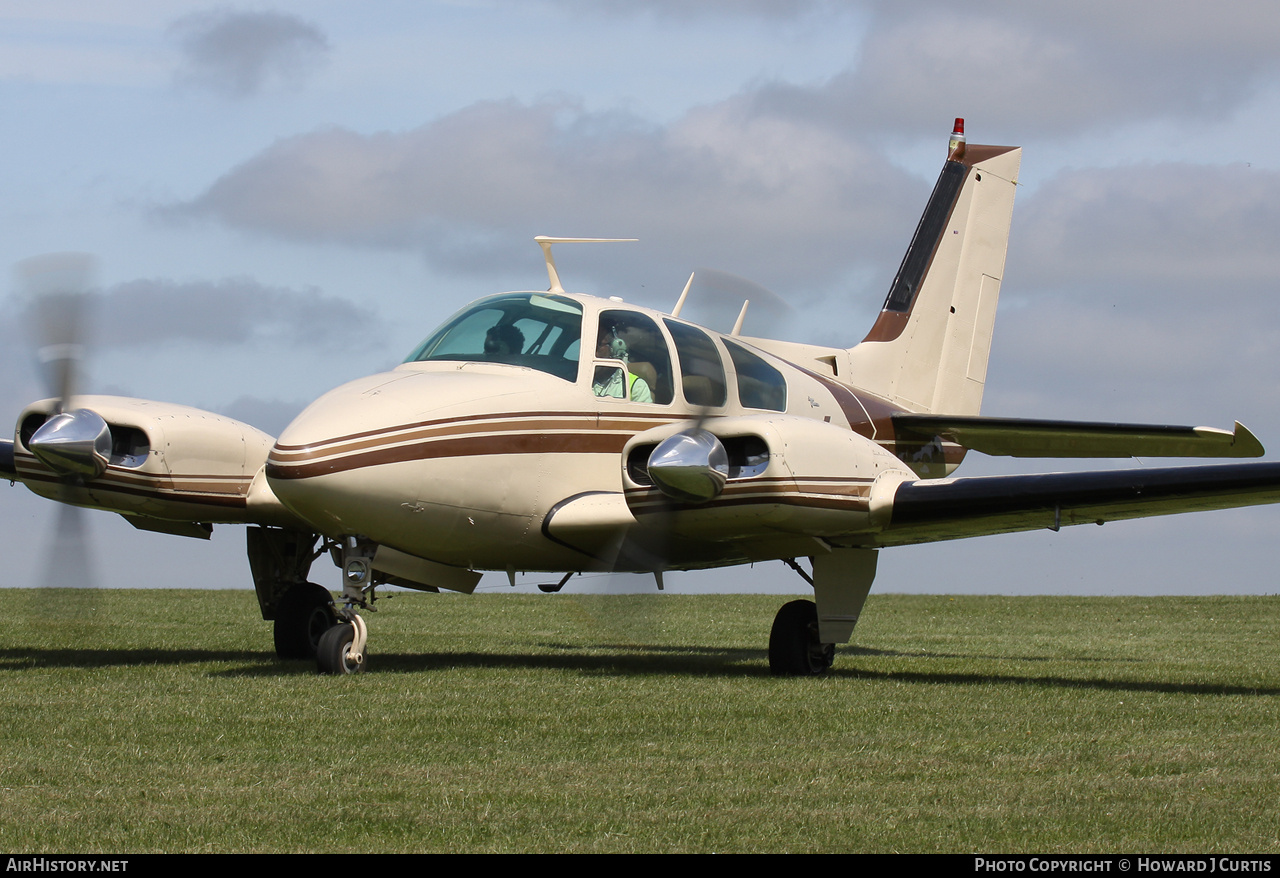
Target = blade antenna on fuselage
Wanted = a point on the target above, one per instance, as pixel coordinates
(545, 243)
(675, 312)
(742, 315)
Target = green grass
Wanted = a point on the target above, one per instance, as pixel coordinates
(160, 721)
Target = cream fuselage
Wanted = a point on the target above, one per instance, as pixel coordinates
(494, 466)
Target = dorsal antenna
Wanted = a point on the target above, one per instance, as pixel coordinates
(742, 315)
(545, 243)
(675, 312)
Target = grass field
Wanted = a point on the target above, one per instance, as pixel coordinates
(160, 721)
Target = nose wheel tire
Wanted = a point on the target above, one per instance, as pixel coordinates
(303, 615)
(794, 647)
(339, 652)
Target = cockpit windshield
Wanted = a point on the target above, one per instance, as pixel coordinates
(536, 330)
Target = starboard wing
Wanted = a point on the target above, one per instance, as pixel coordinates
(945, 509)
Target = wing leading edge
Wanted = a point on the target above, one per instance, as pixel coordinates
(932, 510)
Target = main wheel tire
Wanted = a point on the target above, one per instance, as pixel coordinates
(333, 656)
(794, 647)
(303, 615)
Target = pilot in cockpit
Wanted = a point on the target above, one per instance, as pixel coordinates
(610, 381)
(503, 339)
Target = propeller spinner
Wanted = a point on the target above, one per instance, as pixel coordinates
(692, 466)
(74, 443)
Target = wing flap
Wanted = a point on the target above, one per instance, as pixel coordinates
(1022, 437)
(932, 510)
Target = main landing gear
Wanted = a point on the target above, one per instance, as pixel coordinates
(795, 648)
(802, 642)
(303, 615)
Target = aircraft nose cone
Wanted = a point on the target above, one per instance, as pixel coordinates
(73, 443)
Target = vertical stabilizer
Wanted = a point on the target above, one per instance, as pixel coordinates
(928, 349)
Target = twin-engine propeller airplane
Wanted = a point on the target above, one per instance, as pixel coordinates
(558, 432)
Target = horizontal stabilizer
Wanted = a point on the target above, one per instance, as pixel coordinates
(945, 509)
(1018, 437)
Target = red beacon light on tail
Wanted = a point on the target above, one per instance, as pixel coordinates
(955, 149)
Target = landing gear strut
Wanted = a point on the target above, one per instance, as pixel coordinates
(795, 649)
(341, 649)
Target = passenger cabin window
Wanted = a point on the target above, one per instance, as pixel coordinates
(701, 369)
(632, 359)
(760, 386)
(539, 331)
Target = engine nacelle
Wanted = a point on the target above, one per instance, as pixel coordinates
(785, 475)
(165, 461)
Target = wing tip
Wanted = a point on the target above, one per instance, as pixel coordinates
(1245, 443)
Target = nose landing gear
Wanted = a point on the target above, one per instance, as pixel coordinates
(342, 648)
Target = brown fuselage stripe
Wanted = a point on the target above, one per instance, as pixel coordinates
(506, 443)
(400, 435)
(858, 407)
(645, 421)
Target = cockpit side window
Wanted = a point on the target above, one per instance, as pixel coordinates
(760, 386)
(524, 329)
(636, 340)
(701, 369)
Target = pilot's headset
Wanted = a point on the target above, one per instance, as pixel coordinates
(617, 347)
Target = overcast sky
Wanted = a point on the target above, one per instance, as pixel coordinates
(282, 197)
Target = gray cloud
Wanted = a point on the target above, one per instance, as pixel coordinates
(690, 9)
(229, 311)
(724, 186)
(152, 312)
(240, 53)
(1032, 70)
(1028, 69)
(786, 184)
(1174, 229)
